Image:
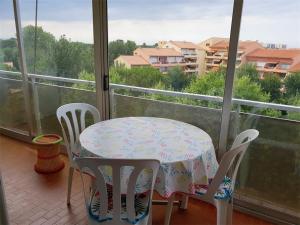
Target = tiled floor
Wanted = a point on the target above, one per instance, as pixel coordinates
(41, 199)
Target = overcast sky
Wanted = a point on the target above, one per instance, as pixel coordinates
(272, 21)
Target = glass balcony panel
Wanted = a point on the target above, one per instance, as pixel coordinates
(50, 97)
(269, 174)
(58, 45)
(145, 38)
(12, 105)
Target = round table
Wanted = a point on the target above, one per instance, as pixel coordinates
(186, 152)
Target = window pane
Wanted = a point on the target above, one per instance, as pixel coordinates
(60, 46)
(12, 107)
(166, 45)
(268, 74)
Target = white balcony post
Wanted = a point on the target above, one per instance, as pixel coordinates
(227, 101)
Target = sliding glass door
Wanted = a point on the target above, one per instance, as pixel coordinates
(12, 103)
(59, 50)
(266, 98)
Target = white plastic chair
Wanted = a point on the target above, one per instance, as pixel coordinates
(110, 206)
(220, 190)
(74, 116)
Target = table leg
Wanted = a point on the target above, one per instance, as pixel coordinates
(184, 202)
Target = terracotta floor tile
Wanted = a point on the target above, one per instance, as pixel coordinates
(41, 199)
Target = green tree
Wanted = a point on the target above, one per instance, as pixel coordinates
(178, 79)
(247, 89)
(295, 100)
(248, 70)
(271, 84)
(138, 76)
(44, 62)
(119, 47)
(292, 84)
(211, 83)
(72, 57)
(84, 75)
(9, 53)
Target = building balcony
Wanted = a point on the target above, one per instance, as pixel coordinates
(190, 56)
(216, 57)
(271, 70)
(191, 63)
(213, 64)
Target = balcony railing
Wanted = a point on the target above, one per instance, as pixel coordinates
(272, 161)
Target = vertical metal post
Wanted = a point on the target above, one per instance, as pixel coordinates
(23, 66)
(237, 124)
(36, 106)
(112, 103)
(227, 101)
(100, 22)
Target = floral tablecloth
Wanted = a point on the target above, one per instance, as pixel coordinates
(186, 152)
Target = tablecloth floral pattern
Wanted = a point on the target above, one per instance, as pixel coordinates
(186, 152)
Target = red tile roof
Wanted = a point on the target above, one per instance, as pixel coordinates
(295, 68)
(133, 59)
(275, 53)
(224, 44)
(158, 51)
(184, 44)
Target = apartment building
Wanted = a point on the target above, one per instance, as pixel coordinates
(188, 50)
(278, 61)
(161, 58)
(130, 61)
(213, 53)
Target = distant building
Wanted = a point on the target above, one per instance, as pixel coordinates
(9, 64)
(188, 50)
(274, 46)
(213, 53)
(130, 61)
(278, 61)
(294, 68)
(161, 58)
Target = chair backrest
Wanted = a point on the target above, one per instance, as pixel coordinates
(94, 167)
(74, 116)
(231, 161)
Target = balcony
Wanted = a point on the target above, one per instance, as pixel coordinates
(40, 199)
(278, 145)
(190, 56)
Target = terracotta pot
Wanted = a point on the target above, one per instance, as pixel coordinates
(48, 153)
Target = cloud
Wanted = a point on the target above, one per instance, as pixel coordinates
(153, 31)
(150, 21)
(76, 31)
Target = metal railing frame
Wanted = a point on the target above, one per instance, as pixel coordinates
(36, 78)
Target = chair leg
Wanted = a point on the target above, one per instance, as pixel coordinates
(70, 179)
(169, 209)
(229, 212)
(150, 216)
(222, 212)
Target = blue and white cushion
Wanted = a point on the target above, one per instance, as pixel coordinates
(141, 207)
(223, 193)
